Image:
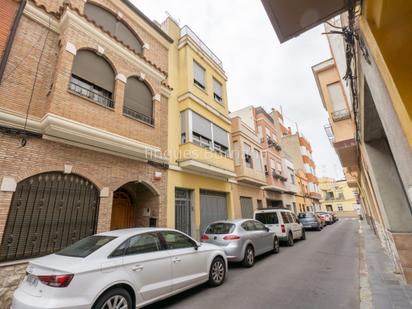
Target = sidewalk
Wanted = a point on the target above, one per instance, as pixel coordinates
(383, 288)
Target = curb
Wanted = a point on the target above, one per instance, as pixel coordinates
(365, 293)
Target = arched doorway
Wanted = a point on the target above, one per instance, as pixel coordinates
(48, 212)
(135, 204)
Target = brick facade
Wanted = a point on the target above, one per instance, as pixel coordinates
(39, 55)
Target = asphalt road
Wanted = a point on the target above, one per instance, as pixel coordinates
(320, 272)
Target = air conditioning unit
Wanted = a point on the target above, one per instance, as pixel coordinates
(146, 212)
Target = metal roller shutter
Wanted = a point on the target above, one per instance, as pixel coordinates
(213, 207)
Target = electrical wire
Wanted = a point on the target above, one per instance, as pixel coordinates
(23, 138)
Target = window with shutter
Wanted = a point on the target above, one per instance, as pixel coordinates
(92, 77)
(138, 101)
(217, 91)
(111, 23)
(199, 75)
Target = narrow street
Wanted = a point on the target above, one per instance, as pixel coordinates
(320, 272)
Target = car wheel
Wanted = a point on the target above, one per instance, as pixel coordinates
(319, 228)
(249, 258)
(303, 237)
(290, 240)
(217, 272)
(117, 298)
(276, 246)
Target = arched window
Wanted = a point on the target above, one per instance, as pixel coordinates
(113, 25)
(48, 212)
(138, 100)
(92, 77)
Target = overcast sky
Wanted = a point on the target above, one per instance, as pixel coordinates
(260, 71)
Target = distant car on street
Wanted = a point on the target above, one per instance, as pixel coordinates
(283, 222)
(120, 269)
(326, 216)
(310, 221)
(334, 216)
(242, 239)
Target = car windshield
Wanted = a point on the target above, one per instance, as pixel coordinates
(267, 218)
(86, 246)
(220, 228)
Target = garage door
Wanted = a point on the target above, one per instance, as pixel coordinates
(246, 206)
(213, 207)
(49, 212)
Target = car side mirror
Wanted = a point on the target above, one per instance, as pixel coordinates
(197, 245)
(267, 229)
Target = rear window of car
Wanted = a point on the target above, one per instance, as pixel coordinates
(86, 246)
(305, 215)
(267, 217)
(220, 228)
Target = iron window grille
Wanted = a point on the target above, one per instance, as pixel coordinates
(137, 115)
(93, 92)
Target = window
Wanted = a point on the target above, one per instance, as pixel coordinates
(220, 140)
(138, 101)
(220, 228)
(86, 246)
(340, 207)
(279, 167)
(259, 204)
(336, 96)
(199, 75)
(259, 226)
(248, 226)
(217, 91)
(285, 217)
(112, 24)
(292, 178)
(260, 134)
(267, 217)
(258, 160)
(143, 243)
(204, 132)
(176, 240)
(93, 78)
(248, 155)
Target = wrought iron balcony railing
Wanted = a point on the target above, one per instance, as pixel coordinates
(137, 115)
(90, 94)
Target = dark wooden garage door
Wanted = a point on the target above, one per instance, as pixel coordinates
(48, 212)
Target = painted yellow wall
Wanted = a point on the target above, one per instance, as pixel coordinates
(387, 30)
(330, 185)
(193, 182)
(181, 80)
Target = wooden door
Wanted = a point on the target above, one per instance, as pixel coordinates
(123, 215)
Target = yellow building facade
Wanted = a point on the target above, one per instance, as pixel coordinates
(200, 161)
(338, 197)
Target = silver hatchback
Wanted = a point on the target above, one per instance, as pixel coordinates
(242, 239)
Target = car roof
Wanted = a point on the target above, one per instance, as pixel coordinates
(133, 231)
(272, 209)
(234, 221)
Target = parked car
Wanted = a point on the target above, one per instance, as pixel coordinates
(310, 221)
(283, 222)
(334, 216)
(242, 239)
(120, 269)
(322, 219)
(326, 216)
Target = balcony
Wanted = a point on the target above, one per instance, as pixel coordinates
(89, 91)
(272, 143)
(340, 115)
(278, 175)
(203, 161)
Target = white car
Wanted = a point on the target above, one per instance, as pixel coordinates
(283, 222)
(120, 269)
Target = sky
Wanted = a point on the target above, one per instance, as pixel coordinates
(260, 70)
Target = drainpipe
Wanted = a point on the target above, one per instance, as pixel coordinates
(11, 38)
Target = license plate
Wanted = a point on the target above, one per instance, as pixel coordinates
(32, 280)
